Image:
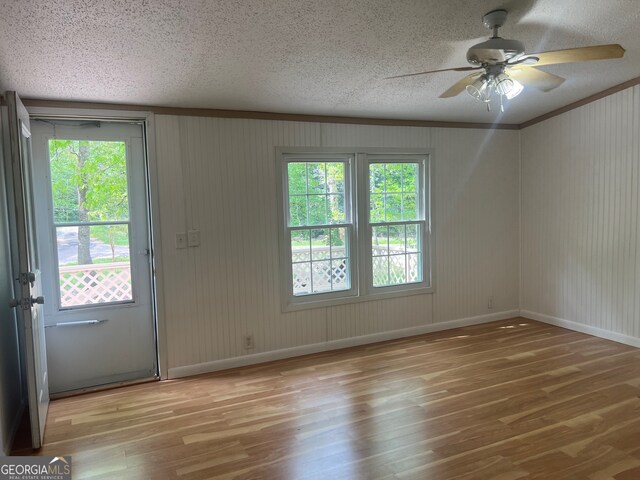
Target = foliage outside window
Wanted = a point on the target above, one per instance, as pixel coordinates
(346, 243)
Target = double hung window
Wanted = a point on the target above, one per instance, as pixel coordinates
(354, 225)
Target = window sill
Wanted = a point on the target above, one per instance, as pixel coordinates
(312, 302)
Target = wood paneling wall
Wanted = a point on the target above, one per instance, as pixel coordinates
(580, 254)
(218, 175)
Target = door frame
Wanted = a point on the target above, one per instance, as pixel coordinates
(149, 144)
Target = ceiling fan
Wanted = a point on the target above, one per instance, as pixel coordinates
(502, 68)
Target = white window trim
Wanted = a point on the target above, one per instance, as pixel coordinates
(357, 210)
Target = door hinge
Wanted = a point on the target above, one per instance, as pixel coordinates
(28, 277)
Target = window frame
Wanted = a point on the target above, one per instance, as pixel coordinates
(357, 197)
(311, 299)
(423, 220)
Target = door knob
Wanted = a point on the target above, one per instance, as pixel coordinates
(26, 302)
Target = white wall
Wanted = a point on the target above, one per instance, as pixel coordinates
(580, 255)
(218, 176)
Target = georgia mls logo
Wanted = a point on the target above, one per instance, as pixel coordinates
(35, 468)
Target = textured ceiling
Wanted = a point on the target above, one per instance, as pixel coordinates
(325, 57)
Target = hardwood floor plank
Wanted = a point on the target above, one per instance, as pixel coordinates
(507, 400)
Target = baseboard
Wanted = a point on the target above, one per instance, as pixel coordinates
(579, 327)
(216, 365)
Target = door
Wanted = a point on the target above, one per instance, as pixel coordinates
(91, 199)
(28, 282)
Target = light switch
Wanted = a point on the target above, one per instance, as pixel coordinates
(181, 240)
(193, 238)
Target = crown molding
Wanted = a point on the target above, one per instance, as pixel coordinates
(579, 103)
(292, 117)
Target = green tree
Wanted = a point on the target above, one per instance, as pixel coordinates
(89, 183)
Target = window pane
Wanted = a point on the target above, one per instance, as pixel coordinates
(413, 237)
(380, 271)
(94, 264)
(410, 177)
(300, 246)
(376, 177)
(401, 262)
(297, 211)
(376, 211)
(414, 268)
(335, 177)
(320, 246)
(393, 207)
(340, 274)
(301, 278)
(339, 243)
(317, 210)
(320, 261)
(380, 240)
(393, 192)
(393, 177)
(409, 207)
(396, 239)
(321, 276)
(336, 208)
(88, 180)
(297, 174)
(397, 269)
(316, 193)
(317, 182)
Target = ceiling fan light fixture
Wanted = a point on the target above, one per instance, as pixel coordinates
(480, 89)
(503, 83)
(516, 90)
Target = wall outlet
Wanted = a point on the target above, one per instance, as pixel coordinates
(490, 303)
(181, 240)
(193, 238)
(247, 342)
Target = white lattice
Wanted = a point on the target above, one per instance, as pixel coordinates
(98, 283)
(323, 275)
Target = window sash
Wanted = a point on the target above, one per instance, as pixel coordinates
(423, 201)
(346, 160)
(330, 259)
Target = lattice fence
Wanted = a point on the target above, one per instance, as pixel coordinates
(97, 283)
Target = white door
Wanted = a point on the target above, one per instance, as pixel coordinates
(28, 299)
(91, 199)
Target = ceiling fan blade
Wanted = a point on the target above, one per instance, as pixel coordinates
(458, 69)
(583, 54)
(528, 60)
(532, 77)
(459, 86)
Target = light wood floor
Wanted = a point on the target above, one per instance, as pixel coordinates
(506, 400)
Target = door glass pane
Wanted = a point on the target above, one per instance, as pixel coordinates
(88, 180)
(94, 263)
